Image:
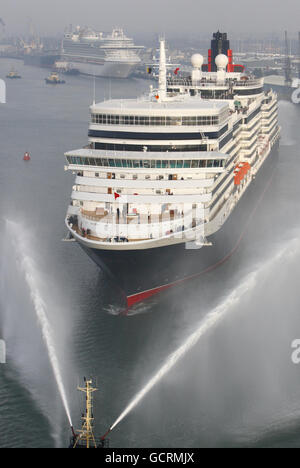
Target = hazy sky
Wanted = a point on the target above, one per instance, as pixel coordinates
(153, 16)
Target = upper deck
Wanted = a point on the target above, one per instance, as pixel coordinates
(172, 153)
(150, 105)
(209, 80)
(210, 87)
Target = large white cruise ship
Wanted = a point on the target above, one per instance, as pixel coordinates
(169, 180)
(98, 54)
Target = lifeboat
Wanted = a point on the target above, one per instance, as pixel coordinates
(26, 156)
(241, 170)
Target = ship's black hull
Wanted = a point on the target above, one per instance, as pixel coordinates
(39, 60)
(140, 274)
(52, 82)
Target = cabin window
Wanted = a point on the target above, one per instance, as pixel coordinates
(146, 163)
(158, 120)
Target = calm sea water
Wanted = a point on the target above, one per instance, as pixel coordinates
(236, 387)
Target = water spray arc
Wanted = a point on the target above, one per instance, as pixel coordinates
(30, 272)
(210, 321)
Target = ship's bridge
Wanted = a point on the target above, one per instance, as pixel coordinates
(149, 125)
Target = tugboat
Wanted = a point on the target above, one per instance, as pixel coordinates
(54, 79)
(13, 75)
(26, 156)
(84, 438)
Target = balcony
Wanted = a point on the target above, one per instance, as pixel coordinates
(134, 226)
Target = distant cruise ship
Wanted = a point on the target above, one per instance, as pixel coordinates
(95, 53)
(158, 193)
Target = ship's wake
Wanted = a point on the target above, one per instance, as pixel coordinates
(214, 317)
(137, 309)
(112, 309)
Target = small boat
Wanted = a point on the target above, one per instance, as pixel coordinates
(54, 79)
(26, 156)
(13, 74)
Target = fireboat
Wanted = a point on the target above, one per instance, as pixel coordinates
(85, 438)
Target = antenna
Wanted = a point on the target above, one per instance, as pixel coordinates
(86, 435)
(162, 88)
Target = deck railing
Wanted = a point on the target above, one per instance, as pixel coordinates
(213, 83)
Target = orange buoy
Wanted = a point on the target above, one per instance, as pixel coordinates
(26, 156)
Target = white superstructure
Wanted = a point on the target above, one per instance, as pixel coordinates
(162, 168)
